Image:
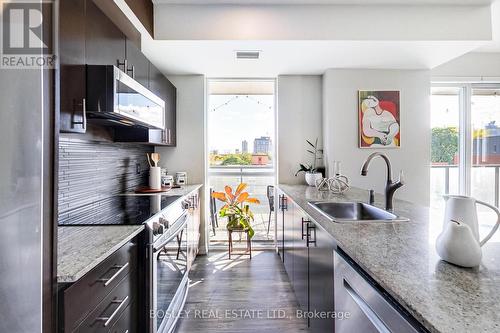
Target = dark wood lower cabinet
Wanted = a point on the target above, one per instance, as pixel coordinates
(107, 298)
(300, 258)
(110, 309)
(307, 252)
(288, 238)
(321, 279)
(125, 323)
(280, 226)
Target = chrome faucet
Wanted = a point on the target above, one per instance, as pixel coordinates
(391, 186)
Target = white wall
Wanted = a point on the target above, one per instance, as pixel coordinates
(189, 155)
(299, 118)
(340, 127)
(474, 65)
(322, 22)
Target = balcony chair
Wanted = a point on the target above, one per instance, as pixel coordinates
(270, 198)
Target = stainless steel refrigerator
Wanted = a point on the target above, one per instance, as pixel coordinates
(27, 159)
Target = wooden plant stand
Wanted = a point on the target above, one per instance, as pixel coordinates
(248, 250)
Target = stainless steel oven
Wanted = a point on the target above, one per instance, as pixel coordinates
(168, 273)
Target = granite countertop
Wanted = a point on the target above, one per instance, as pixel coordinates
(401, 257)
(80, 249)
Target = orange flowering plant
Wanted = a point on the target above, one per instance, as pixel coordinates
(236, 207)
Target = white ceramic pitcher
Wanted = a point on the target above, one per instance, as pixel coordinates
(463, 208)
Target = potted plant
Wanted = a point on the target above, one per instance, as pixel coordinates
(311, 170)
(236, 208)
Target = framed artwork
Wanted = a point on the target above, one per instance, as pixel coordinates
(379, 120)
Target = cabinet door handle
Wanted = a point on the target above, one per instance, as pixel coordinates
(84, 114)
(284, 203)
(304, 221)
(308, 234)
(124, 64)
(366, 309)
(169, 136)
(108, 320)
(108, 281)
(131, 69)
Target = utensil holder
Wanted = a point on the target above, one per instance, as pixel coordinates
(155, 178)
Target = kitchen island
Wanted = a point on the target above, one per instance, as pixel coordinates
(401, 258)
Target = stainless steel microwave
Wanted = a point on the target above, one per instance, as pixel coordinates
(115, 97)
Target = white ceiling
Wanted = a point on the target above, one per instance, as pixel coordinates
(324, 2)
(217, 58)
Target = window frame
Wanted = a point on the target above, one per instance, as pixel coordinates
(465, 126)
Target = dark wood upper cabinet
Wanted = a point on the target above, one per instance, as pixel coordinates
(171, 113)
(137, 64)
(104, 41)
(164, 89)
(72, 66)
(89, 37)
(143, 9)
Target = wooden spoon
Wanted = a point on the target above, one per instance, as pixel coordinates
(156, 158)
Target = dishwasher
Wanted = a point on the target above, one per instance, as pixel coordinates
(365, 306)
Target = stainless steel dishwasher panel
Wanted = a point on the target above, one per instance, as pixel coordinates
(368, 309)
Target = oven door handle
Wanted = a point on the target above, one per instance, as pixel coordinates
(178, 227)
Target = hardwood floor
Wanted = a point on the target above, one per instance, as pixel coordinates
(240, 295)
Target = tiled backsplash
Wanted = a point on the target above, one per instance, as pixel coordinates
(91, 172)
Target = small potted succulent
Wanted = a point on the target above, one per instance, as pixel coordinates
(236, 208)
(311, 170)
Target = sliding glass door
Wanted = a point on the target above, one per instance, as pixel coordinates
(241, 149)
(465, 151)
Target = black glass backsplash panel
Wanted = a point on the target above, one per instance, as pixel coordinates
(92, 175)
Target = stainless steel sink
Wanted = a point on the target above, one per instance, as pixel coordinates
(354, 212)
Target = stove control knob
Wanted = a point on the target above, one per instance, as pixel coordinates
(185, 204)
(164, 222)
(158, 228)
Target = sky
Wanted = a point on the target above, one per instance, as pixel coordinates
(242, 118)
(445, 111)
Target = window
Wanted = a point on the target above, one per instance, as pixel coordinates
(485, 121)
(445, 153)
(465, 159)
(241, 148)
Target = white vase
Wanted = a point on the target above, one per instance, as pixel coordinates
(155, 178)
(311, 177)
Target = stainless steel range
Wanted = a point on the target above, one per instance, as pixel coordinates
(166, 219)
(168, 276)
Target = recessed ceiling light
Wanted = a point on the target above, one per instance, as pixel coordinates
(247, 54)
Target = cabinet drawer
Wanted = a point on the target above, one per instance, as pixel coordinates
(83, 296)
(109, 311)
(127, 322)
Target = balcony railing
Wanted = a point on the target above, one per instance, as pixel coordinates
(257, 178)
(486, 181)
